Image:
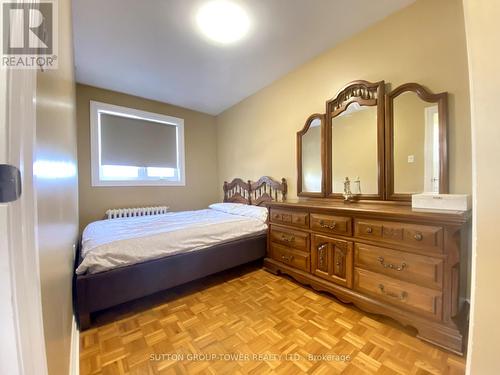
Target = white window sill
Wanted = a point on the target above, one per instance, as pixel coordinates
(138, 183)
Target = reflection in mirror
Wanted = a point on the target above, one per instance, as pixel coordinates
(416, 145)
(354, 149)
(311, 158)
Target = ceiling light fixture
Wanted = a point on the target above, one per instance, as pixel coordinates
(223, 21)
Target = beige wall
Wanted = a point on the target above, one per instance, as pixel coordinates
(201, 160)
(481, 20)
(423, 43)
(57, 196)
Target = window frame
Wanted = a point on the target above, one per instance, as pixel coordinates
(95, 142)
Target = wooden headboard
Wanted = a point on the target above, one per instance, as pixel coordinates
(257, 193)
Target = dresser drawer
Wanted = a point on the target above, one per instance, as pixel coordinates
(291, 257)
(419, 269)
(289, 237)
(422, 237)
(331, 224)
(399, 293)
(295, 218)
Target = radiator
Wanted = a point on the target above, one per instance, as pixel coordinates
(133, 212)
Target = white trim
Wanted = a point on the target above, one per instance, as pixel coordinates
(22, 328)
(152, 182)
(473, 97)
(23, 224)
(10, 359)
(99, 107)
(21, 257)
(74, 359)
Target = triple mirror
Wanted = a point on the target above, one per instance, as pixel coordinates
(387, 146)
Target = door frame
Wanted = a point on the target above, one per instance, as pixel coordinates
(21, 301)
(429, 163)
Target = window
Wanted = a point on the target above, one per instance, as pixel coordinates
(135, 148)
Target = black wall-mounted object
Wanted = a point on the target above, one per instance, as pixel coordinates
(10, 183)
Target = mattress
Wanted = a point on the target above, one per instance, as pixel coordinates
(109, 244)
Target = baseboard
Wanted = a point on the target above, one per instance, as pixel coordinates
(74, 358)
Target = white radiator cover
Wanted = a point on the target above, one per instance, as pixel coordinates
(136, 211)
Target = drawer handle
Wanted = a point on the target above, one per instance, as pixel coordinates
(287, 258)
(323, 225)
(369, 230)
(392, 266)
(402, 296)
(418, 236)
(287, 239)
(282, 217)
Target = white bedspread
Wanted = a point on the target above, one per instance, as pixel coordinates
(109, 244)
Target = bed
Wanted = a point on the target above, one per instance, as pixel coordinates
(120, 260)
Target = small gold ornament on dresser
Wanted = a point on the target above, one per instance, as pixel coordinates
(348, 197)
(348, 194)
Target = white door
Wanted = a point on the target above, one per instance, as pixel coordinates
(22, 345)
(9, 363)
(431, 152)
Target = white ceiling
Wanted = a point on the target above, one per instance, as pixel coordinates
(152, 49)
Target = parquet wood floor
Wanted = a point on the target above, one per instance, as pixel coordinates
(274, 324)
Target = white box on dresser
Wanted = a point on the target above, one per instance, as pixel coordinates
(457, 202)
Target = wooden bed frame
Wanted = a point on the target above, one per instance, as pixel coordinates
(95, 292)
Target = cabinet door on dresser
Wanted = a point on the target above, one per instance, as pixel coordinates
(331, 259)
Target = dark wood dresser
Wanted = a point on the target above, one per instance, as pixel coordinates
(384, 258)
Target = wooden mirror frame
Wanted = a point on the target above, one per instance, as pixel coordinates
(365, 94)
(300, 134)
(442, 101)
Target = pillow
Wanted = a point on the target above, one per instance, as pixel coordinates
(254, 212)
(226, 207)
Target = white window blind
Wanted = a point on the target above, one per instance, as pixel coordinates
(137, 142)
(135, 148)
